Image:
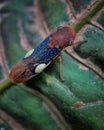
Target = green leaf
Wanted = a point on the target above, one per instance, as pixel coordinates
(45, 102)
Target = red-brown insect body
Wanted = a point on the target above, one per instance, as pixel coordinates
(63, 37)
(42, 54)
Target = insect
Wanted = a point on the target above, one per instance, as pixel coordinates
(36, 60)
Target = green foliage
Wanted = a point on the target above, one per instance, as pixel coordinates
(45, 102)
(54, 12)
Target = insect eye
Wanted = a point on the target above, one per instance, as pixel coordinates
(37, 68)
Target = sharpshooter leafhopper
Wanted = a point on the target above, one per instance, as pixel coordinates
(36, 60)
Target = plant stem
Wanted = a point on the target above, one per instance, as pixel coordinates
(87, 17)
(5, 84)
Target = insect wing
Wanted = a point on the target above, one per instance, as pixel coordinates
(42, 53)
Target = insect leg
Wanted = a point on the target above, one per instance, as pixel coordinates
(59, 58)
